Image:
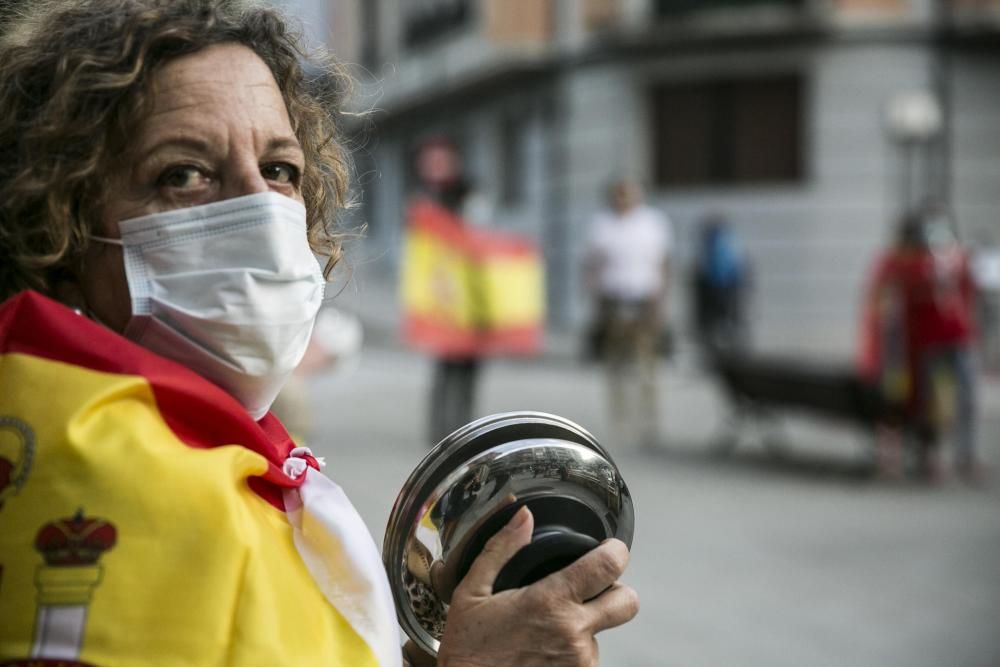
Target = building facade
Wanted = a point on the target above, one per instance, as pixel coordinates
(775, 113)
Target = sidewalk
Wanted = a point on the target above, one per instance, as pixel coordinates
(740, 561)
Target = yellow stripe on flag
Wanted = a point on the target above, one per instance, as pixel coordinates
(469, 291)
(436, 280)
(513, 292)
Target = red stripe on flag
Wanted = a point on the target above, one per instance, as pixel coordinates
(438, 337)
(199, 413)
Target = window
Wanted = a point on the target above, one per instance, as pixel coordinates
(369, 35)
(599, 14)
(511, 154)
(426, 20)
(675, 8)
(725, 132)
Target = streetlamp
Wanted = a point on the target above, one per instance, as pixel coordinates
(913, 119)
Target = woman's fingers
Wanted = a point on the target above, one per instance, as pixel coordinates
(592, 573)
(415, 657)
(616, 606)
(498, 550)
(550, 622)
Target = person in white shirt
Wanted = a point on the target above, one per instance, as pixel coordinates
(626, 270)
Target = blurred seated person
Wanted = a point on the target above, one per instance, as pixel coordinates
(169, 178)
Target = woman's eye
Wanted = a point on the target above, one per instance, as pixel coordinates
(183, 177)
(281, 173)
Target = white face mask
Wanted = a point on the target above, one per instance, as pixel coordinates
(229, 289)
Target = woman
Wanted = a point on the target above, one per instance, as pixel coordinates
(168, 177)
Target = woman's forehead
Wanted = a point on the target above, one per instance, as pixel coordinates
(220, 74)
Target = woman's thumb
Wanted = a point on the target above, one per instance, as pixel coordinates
(498, 551)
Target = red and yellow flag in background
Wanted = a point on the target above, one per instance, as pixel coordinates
(469, 291)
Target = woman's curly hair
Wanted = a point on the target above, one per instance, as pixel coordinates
(74, 83)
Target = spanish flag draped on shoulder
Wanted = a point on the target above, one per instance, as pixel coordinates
(469, 291)
(145, 518)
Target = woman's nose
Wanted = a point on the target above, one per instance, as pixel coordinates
(245, 179)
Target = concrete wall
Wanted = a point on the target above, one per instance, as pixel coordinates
(976, 142)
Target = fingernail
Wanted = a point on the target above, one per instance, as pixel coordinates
(520, 516)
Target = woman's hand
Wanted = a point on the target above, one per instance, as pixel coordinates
(551, 622)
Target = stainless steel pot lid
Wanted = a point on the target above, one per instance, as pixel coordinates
(467, 488)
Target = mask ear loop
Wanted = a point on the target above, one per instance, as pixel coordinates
(106, 239)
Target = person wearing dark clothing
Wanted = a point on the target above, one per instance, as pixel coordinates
(720, 280)
(453, 395)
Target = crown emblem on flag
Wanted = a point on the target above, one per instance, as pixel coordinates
(76, 540)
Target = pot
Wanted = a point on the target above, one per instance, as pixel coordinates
(471, 484)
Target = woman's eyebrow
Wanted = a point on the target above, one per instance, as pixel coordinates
(192, 143)
(202, 146)
(278, 143)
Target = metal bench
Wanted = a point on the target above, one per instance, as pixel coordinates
(760, 388)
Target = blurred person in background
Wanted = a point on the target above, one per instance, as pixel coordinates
(169, 177)
(442, 180)
(720, 283)
(986, 270)
(921, 334)
(626, 273)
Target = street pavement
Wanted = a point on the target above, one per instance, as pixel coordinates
(747, 560)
